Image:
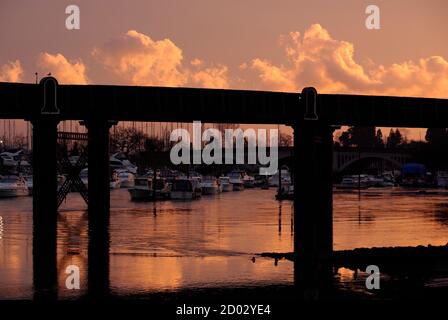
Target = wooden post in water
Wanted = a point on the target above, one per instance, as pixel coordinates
(279, 191)
(313, 199)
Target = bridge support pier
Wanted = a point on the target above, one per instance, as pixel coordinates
(313, 206)
(44, 208)
(99, 207)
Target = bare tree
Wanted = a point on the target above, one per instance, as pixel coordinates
(127, 140)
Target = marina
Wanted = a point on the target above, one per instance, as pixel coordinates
(193, 245)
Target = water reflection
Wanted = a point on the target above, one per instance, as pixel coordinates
(16, 263)
(174, 245)
(72, 250)
(1, 227)
(441, 213)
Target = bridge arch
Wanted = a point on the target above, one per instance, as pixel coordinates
(346, 160)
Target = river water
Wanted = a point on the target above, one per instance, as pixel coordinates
(173, 245)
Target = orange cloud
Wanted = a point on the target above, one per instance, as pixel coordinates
(135, 58)
(11, 72)
(213, 77)
(316, 59)
(426, 77)
(73, 72)
(196, 62)
(313, 58)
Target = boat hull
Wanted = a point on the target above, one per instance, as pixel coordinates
(226, 187)
(12, 193)
(141, 194)
(238, 187)
(249, 184)
(209, 190)
(126, 184)
(183, 195)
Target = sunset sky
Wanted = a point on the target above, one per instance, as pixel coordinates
(249, 44)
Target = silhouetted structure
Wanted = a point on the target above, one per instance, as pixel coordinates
(313, 117)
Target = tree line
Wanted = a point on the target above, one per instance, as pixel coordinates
(370, 137)
(431, 151)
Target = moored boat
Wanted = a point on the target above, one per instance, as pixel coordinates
(209, 185)
(126, 178)
(118, 161)
(141, 190)
(236, 180)
(146, 189)
(355, 182)
(225, 184)
(13, 186)
(185, 189)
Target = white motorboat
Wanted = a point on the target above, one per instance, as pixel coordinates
(126, 178)
(209, 185)
(236, 180)
(185, 189)
(7, 159)
(13, 186)
(118, 161)
(13, 159)
(225, 184)
(355, 181)
(146, 188)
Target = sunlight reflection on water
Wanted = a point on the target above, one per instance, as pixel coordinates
(210, 242)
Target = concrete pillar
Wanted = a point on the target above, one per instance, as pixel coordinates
(99, 208)
(44, 208)
(313, 190)
(313, 201)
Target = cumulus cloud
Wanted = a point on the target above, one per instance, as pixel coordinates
(72, 72)
(312, 58)
(426, 77)
(11, 71)
(316, 59)
(212, 77)
(135, 58)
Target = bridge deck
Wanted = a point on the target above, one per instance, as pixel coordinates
(133, 103)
